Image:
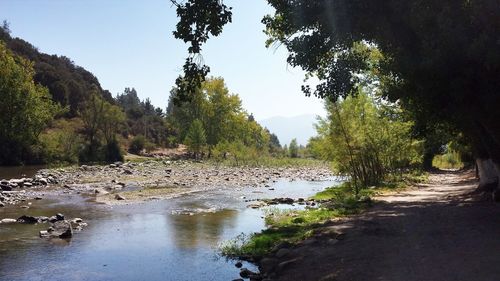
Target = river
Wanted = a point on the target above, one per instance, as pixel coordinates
(173, 239)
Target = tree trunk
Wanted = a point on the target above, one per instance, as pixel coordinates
(488, 174)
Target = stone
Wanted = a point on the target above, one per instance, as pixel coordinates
(127, 172)
(5, 187)
(283, 265)
(76, 220)
(43, 181)
(27, 219)
(246, 273)
(61, 229)
(38, 198)
(238, 264)
(8, 221)
(44, 233)
(119, 197)
(2, 204)
(282, 253)
(332, 242)
(59, 216)
(28, 184)
(67, 234)
(267, 265)
(100, 191)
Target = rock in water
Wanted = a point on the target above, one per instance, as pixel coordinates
(27, 219)
(59, 229)
(119, 197)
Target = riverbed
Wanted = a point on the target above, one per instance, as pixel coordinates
(173, 239)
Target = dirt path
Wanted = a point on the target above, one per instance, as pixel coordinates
(435, 232)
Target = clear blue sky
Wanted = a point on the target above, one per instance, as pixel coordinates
(130, 44)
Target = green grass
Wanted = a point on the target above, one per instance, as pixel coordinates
(292, 226)
(450, 160)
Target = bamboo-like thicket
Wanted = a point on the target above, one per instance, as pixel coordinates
(367, 139)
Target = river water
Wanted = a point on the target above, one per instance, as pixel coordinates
(173, 239)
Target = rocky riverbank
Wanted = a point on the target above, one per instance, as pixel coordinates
(132, 182)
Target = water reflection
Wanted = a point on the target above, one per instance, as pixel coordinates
(200, 229)
(152, 241)
(9, 172)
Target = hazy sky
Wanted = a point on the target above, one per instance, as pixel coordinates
(130, 44)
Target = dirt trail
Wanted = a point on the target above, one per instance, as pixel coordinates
(440, 231)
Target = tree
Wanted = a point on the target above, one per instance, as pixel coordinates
(438, 57)
(102, 121)
(293, 149)
(198, 19)
(365, 140)
(222, 116)
(438, 60)
(26, 108)
(196, 138)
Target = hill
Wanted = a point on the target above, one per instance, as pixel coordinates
(69, 84)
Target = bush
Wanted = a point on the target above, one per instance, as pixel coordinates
(60, 146)
(113, 151)
(137, 145)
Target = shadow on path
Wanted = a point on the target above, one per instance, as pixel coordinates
(438, 232)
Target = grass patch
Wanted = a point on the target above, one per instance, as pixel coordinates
(292, 226)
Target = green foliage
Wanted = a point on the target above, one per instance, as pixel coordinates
(137, 144)
(26, 108)
(449, 160)
(144, 119)
(69, 85)
(365, 139)
(113, 152)
(197, 21)
(228, 129)
(293, 149)
(61, 143)
(101, 123)
(292, 226)
(436, 59)
(196, 139)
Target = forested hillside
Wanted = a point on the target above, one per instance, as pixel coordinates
(69, 84)
(86, 123)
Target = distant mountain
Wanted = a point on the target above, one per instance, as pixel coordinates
(286, 128)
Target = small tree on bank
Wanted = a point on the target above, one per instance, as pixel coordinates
(293, 149)
(196, 138)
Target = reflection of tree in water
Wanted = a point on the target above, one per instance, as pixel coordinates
(200, 228)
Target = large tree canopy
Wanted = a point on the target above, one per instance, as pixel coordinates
(440, 59)
(26, 108)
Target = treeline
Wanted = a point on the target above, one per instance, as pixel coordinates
(214, 124)
(57, 112)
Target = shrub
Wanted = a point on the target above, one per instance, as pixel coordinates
(137, 145)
